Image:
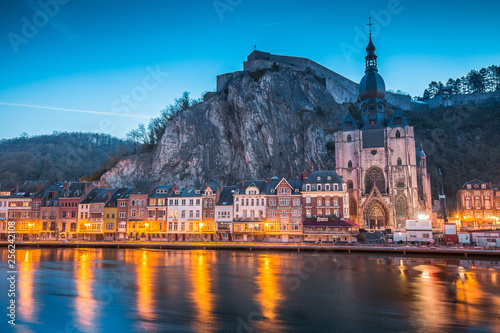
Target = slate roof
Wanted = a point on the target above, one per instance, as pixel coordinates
(213, 185)
(344, 127)
(98, 195)
(186, 194)
(313, 178)
(167, 188)
(475, 182)
(118, 194)
(260, 184)
(26, 189)
(226, 196)
(397, 114)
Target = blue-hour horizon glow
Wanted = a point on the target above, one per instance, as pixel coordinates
(133, 58)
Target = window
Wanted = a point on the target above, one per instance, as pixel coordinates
(350, 185)
(183, 213)
(308, 200)
(349, 164)
(374, 178)
(397, 121)
(348, 124)
(349, 139)
(353, 207)
(123, 215)
(319, 202)
(401, 207)
(110, 226)
(400, 163)
(398, 134)
(283, 190)
(263, 202)
(373, 122)
(308, 187)
(319, 187)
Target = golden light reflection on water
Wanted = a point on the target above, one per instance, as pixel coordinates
(270, 295)
(27, 261)
(202, 295)
(86, 307)
(145, 262)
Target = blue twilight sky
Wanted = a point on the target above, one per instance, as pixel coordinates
(135, 57)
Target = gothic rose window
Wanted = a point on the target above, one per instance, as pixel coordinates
(375, 177)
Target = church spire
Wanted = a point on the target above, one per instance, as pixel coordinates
(371, 57)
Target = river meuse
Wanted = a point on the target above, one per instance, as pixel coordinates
(115, 290)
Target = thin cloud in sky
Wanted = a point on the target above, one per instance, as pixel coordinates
(127, 115)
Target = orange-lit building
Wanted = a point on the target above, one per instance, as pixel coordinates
(476, 206)
(157, 211)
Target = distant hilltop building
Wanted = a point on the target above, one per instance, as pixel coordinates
(346, 91)
(386, 175)
(341, 88)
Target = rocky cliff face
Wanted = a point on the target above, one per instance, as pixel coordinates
(275, 122)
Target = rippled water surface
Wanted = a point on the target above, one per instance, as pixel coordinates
(115, 290)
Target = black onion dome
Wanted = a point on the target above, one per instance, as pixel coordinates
(372, 85)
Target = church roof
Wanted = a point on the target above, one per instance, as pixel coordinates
(343, 125)
(397, 114)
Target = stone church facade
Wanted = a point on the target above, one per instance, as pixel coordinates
(386, 175)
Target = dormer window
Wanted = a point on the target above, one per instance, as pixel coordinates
(318, 178)
(348, 124)
(373, 122)
(308, 187)
(327, 187)
(397, 121)
(329, 177)
(320, 187)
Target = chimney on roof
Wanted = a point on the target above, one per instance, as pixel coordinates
(267, 180)
(243, 184)
(303, 176)
(4, 183)
(16, 187)
(66, 186)
(109, 195)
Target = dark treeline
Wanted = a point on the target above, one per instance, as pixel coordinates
(484, 80)
(145, 139)
(462, 141)
(60, 156)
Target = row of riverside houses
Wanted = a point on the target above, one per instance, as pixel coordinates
(308, 209)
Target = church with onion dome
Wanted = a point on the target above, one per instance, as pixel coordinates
(385, 173)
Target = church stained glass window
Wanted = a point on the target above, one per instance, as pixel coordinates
(374, 177)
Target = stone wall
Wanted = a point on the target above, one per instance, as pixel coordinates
(465, 99)
(341, 88)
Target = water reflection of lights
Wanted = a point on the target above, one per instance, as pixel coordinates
(85, 304)
(202, 296)
(25, 282)
(269, 295)
(145, 264)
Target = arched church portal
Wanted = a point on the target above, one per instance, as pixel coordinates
(376, 215)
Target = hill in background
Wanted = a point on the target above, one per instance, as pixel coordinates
(58, 157)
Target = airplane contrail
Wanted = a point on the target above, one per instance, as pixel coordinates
(114, 114)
